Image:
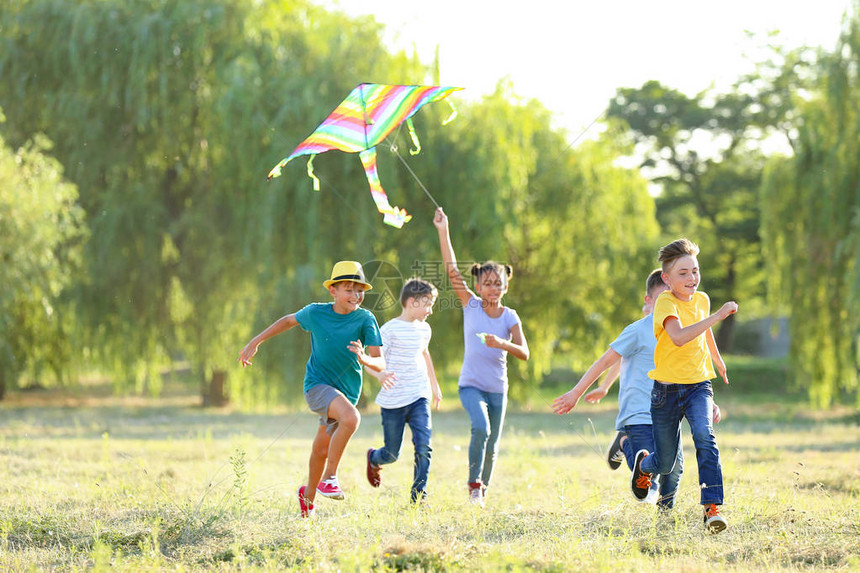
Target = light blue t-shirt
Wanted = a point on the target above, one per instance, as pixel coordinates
(331, 362)
(636, 345)
(483, 367)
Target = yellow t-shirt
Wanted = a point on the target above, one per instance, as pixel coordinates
(688, 364)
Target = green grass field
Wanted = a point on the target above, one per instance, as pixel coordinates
(91, 482)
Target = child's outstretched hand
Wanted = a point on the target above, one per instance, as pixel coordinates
(246, 354)
(492, 341)
(566, 402)
(596, 395)
(720, 365)
(730, 307)
(437, 398)
(386, 379)
(358, 349)
(440, 219)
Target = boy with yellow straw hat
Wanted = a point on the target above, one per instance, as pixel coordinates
(344, 337)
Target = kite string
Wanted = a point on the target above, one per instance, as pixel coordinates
(403, 161)
(393, 149)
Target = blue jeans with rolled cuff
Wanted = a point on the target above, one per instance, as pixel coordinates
(641, 437)
(670, 404)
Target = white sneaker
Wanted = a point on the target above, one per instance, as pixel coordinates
(476, 496)
(653, 497)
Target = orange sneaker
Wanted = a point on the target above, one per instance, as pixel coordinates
(640, 481)
(714, 522)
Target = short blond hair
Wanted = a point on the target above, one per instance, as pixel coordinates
(674, 251)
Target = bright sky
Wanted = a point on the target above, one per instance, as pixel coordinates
(573, 54)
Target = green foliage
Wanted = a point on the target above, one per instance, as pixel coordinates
(239, 463)
(40, 234)
(704, 155)
(168, 115)
(812, 228)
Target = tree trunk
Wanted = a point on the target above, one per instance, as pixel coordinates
(214, 391)
(725, 336)
(2, 384)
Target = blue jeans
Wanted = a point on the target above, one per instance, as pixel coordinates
(641, 437)
(417, 415)
(487, 412)
(670, 403)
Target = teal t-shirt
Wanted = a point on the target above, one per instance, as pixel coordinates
(331, 362)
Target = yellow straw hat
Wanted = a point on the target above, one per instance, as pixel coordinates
(347, 271)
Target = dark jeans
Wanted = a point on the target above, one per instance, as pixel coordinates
(641, 437)
(417, 416)
(671, 403)
(487, 412)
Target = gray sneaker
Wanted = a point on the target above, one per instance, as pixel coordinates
(615, 455)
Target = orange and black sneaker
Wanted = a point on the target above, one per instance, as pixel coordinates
(714, 522)
(640, 481)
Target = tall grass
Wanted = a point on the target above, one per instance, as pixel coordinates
(131, 484)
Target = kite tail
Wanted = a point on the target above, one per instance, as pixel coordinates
(276, 170)
(392, 215)
(311, 173)
(414, 137)
(453, 113)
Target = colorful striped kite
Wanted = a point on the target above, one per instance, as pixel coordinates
(366, 117)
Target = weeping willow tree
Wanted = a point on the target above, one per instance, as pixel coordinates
(811, 227)
(40, 234)
(168, 115)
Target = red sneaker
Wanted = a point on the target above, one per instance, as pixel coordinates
(305, 506)
(330, 488)
(372, 471)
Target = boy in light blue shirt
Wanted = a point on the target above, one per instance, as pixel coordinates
(634, 347)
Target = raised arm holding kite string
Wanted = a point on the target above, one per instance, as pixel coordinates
(363, 120)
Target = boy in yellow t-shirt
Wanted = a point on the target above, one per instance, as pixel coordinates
(684, 362)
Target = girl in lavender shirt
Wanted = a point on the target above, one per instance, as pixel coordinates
(490, 331)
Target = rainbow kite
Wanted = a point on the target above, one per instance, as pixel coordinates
(366, 117)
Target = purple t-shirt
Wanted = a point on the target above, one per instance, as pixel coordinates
(483, 367)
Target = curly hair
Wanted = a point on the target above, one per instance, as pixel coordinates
(505, 272)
